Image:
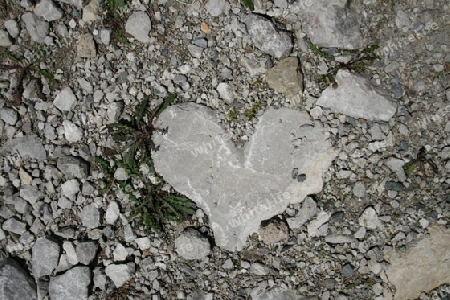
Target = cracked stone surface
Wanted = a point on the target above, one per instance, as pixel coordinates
(239, 188)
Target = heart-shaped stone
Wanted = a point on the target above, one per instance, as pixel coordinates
(239, 187)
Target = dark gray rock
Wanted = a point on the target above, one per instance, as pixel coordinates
(86, 252)
(15, 282)
(74, 284)
(73, 167)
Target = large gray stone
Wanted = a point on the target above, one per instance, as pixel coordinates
(356, 97)
(27, 146)
(36, 26)
(86, 252)
(15, 282)
(238, 188)
(65, 100)
(119, 274)
(45, 256)
(73, 167)
(74, 284)
(90, 216)
(329, 23)
(48, 10)
(266, 38)
(192, 245)
(139, 25)
(422, 267)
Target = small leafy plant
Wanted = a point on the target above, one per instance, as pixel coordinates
(154, 206)
(419, 162)
(26, 67)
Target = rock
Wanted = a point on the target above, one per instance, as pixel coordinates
(15, 226)
(86, 46)
(119, 274)
(71, 254)
(396, 165)
(8, 115)
(5, 41)
(279, 293)
(72, 132)
(195, 51)
(274, 232)
(286, 78)
(266, 38)
(85, 85)
(329, 23)
(76, 3)
(48, 10)
(13, 29)
(215, 7)
(112, 213)
(128, 234)
(356, 97)
(121, 174)
(73, 284)
(27, 146)
(37, 28)
(202, 163)
(65, 100)
(70, 189)
(192, 245)
(143, 243)
(338, 239)
(225, 92)
(315, 226)
(73, 167)
(90, 216)
(308, 210)
(394, 186)
(90, 11)
(423, 266)
(114, 111)
(105, 36)
(347, 270)
(45, 256)
(254, 66)
(359, 189)
(86, 252)
(16, 283)
(259, 269)
(120, 253)
(369, 219)
(31, 194)
(139, 25)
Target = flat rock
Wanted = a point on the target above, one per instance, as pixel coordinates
(86, 252)
(198, 159)
(45, 256)
(31, 194)
(286, 78)
(329, 23)
(215, 7)
(369, 219)
(65, 100)
(70, 189)
(423, 266)
(37, 27)
(73, 284)
(5, 41)
(90, 216)
(48, 10)
(72, 132)
(27, 146)
(8, 115)
(12, 27)
(266, 38)
(356, 97)
(192, 245)
(15, 226)
(73, 167)
(86, 46)
(119, 274)
(139, 25)
(16, 283)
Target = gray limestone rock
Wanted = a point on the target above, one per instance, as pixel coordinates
(12, 27)
(356, 97)
(329, 23)
(45, 256)
(31, 194)
(286, 78)
(119, 274)
(65, 100)
(266, 38)
(308, 210)
(14, 225)
(27, 146)
(5, 41)
(86, 46)
(139, 25)
(48, 10)
(423, 267)
(192, 245)
(90, 216)
(86, 252)
(73, 167)
(36, 27)
(15, 283)
(8, 115)
(215, 7)
(73, 284)
(240, 188)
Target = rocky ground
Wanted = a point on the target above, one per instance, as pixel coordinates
(312, 136)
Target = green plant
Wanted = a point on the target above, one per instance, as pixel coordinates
(419, 162)
(113, 18)
(154, 206)
(249, 4)
(26, 67)
(251, 112)
(232, 114)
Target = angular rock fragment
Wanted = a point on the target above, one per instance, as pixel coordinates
(267, 38)
(330, 23)
(356, 97)
(48, 10)
(37, 27)
(86, 46)
(119, 274)
(65, 100)
(286, 78)
(240, 188)
(192, 245)
(27, 146)
(73, 167)
(73, 284)
(423, 266)
(139, 25)
(15, 282)
(45, 256)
